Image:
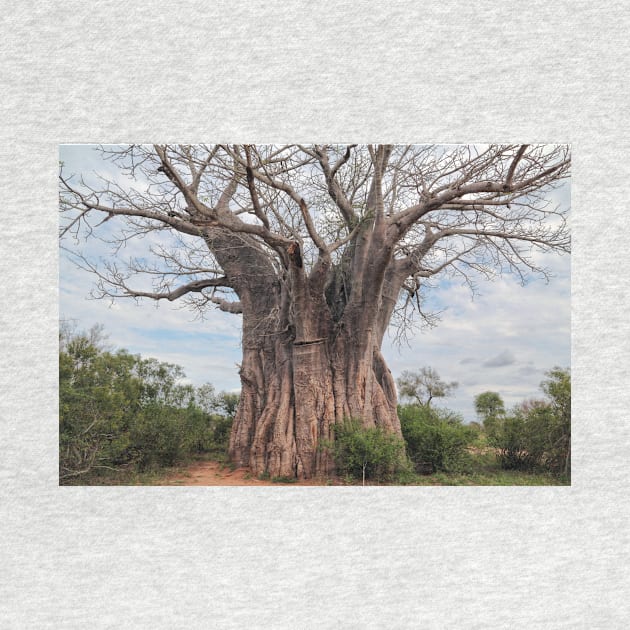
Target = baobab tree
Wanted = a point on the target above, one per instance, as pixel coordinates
(319, 248)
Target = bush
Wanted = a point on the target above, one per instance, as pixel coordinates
(367, 452)
(118, 411)
(436, 439)
(509, 435)
(530, 438)
(205, 433)
(220, 427)
(97, 403)
(157, 438)
(537, 433)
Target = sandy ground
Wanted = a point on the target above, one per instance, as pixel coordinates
(216, 474)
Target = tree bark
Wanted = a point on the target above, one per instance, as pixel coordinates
(309, 368)
(294, 392)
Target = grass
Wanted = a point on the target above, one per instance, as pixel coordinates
(126, 477)
(283, 479)
(482, 469)
(498, 478)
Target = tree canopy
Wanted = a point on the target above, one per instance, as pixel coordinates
(489, 405)
(424, 385)
(462, 210)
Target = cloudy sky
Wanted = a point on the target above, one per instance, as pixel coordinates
(503, 340)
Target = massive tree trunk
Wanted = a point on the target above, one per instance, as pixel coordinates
(295, 390)
(311, 359)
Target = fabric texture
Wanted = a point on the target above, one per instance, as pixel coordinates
(393, 557)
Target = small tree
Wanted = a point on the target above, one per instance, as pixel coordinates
(489, 407)
(423, 386)
(557, 387)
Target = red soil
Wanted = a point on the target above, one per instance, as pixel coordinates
(215, 474)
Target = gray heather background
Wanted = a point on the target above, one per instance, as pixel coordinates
(445, 71)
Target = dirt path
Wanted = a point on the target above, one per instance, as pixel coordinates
(215, 474)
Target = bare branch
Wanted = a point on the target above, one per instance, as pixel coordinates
(510, 175)
(347, 214)
(334, 188)
(252, 189)
(192, 287)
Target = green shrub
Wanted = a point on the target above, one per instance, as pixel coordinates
(509, 437)
(97, 402)
(536, 435)
(367, 452)
(531, 438)
(220, 427)
(205, 433)
(157, 438)
(436, 439)
(118, 411)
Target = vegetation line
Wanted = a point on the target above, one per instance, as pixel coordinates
(124, 419)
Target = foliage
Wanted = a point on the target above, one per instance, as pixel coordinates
(490, 408)
(367, 452)
(423, 386)
(118, 411)
(436, 439)
(536, 435)
(157, 437)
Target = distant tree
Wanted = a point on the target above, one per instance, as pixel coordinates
(206, 398)
(227, 403)
(489, 407)
(222, 403)
(162, 383)
(423, 386)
